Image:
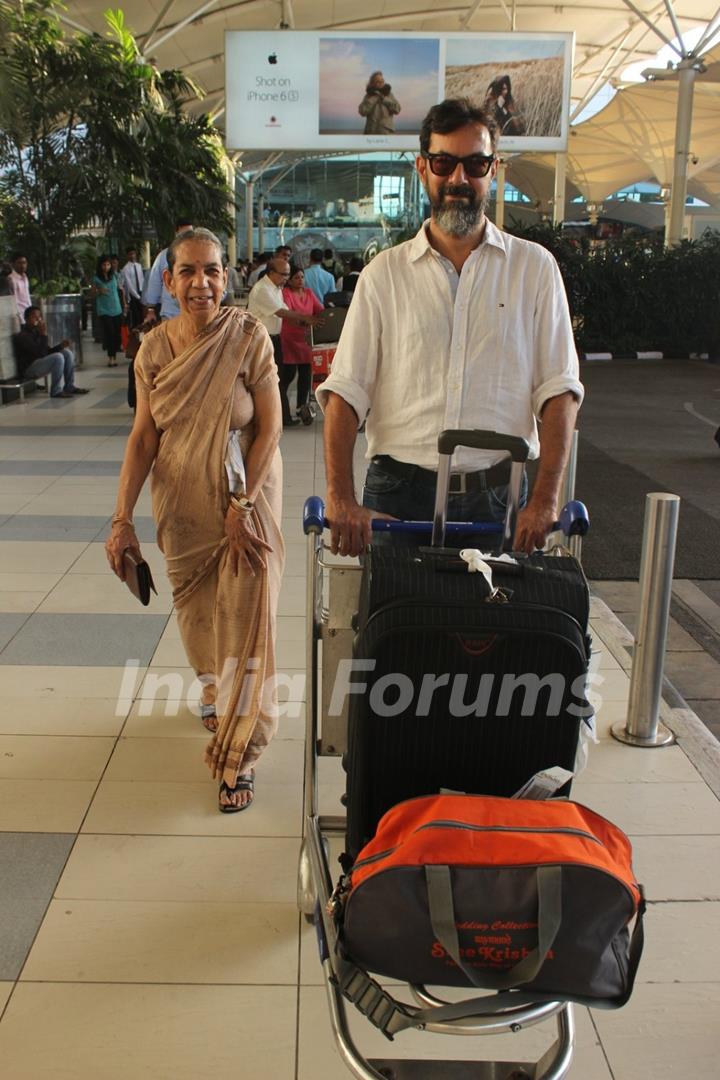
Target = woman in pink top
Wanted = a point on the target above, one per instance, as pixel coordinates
(296, 352)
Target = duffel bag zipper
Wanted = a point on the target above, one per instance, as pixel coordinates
(560, 830)
(442, 824)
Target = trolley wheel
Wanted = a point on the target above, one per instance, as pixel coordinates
(305, 892)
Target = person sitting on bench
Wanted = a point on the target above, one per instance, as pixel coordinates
(36, 358)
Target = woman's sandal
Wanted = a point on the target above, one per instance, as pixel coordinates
(245, 782)
(208, 715)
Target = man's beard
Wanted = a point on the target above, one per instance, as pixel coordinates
(458, 218)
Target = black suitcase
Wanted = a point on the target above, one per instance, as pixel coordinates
(462, 691)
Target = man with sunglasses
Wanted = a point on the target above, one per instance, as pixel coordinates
(266, 303)
(463, 326)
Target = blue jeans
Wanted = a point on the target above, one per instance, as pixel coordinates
(60, 366)
(414, 499)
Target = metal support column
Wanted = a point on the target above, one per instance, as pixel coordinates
(146, 257)
(249, 197)
(500, 195)
(232, 208)
(683, 123)
(261, 222)
(656, 574)
(558, 214)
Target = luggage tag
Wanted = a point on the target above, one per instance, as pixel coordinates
(544, 784)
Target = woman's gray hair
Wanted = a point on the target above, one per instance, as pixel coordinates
(193, 234)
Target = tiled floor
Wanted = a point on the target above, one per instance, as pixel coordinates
(145, 936)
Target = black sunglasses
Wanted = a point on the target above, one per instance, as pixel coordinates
(474, 165)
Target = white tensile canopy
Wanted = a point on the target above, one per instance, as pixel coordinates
(631, 140)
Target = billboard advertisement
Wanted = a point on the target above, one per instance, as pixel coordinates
(302, 90)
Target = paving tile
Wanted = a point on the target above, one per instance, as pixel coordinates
(10, 623)
(177, 719)
(681, 943)
(695, 675)
(611, 761)
(27, 581)
(157, 942)
(61, 809)
(94, 559)
(146, 534)
(42, 557)
(149, 1032)
(653, 809)
(31, 865)
(319, 1060)
(44, 527)
(663, 1033)
(93, 594)
(6, 989)
(678, 867)
(57, 682)
(20, 602)
(620, 596)
(63, 757)
(84, 640)
(169, 808)
(61, 716)
(34, 468)
(58, 430)
(208, 869)
(112, 401)
(181, 761)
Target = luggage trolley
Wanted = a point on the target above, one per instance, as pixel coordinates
(332, 601)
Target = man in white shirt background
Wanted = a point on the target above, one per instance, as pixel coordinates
(132, 278)
(461, 327)
(20, 283)
(267, 304)
(155, 292)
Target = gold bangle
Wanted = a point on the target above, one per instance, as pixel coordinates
(241, 503)
(121, 521)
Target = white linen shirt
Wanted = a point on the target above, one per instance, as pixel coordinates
(264, 300)
(424, 349)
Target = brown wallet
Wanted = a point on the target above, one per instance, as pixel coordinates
(138, 577)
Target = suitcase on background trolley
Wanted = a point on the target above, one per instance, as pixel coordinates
(457, 688)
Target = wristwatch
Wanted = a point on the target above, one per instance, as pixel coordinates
(241, 502)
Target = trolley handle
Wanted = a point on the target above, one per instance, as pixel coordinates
(574, 521)
(517, 447)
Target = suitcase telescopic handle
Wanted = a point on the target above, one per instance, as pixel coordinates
(517, 447)
(448, 441)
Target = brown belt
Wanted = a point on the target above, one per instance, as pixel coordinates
(460, 483)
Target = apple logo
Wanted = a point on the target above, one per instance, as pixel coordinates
(272, 58)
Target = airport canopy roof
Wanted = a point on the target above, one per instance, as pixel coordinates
(630, 140)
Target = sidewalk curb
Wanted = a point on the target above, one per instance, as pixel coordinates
(697, 743)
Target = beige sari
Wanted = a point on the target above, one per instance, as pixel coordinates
(227, 623)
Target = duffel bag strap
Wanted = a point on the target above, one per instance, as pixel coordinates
(442, 917)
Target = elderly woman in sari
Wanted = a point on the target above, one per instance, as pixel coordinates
(208, 423)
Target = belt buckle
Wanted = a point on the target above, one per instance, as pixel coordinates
(458, 484)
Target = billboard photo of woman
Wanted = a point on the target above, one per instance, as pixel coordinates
(379, 106)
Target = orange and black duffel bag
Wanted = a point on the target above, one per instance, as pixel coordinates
(501, 894)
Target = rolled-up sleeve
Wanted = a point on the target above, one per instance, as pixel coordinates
(556, 368)
(354, 367)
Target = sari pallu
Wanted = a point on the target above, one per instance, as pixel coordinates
(226, 622)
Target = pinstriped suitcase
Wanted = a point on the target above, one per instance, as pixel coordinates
(462, 691)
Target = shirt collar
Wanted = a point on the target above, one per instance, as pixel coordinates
(420, 244)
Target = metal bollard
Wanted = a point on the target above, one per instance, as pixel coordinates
(643, 727)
